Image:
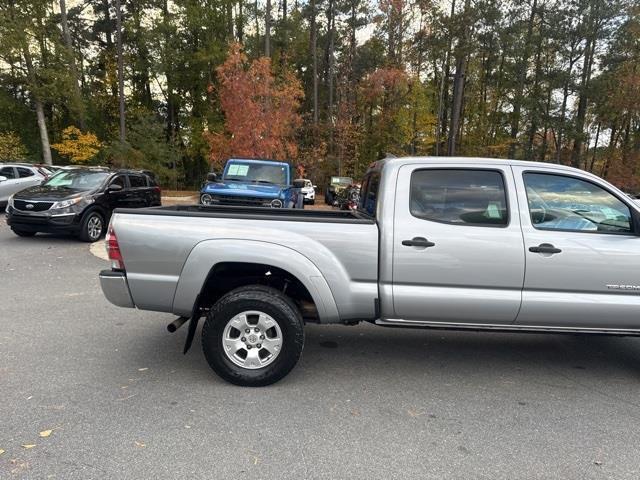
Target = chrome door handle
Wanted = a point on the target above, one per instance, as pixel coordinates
(545, 248)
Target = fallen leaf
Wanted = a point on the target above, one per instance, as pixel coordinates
(46, 433)
(140, 444)
(1, 451)
(142, 369)
(598, 462)
(28, 445)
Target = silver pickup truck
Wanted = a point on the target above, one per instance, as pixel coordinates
(463, 243)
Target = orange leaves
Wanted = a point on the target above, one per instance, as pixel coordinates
(385, 81)
(261, 111)
(77, 146)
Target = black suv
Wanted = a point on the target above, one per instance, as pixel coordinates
(80, 201)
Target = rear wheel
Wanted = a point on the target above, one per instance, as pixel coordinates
(253, 336)
(23, 233)
(92, 227)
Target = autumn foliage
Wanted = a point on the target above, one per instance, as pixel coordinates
(261, 111)
(79, 147)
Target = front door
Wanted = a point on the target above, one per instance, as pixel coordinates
(118, 198)
(582, 253)
(458, 254)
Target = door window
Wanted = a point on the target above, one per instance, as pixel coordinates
(25, 172)
(558, 202)
(137, 181)
(119, 181)
(459, 197)
(7, 172)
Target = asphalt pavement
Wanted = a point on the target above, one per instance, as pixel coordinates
(365, 402)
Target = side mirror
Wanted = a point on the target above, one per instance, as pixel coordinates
(298, 183)
(2, 179)
(315, 187)
(212, 177)
(114, 187)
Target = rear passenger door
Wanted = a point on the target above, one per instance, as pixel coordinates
(582, 252)
(28, 178)
(458, 252)
(138, 194)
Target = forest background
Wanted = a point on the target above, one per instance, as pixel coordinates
(179, 86)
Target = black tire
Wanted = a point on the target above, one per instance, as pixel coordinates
(253, 298)
(86, 231)
(23, 233)
(329, 198)
(312, 202)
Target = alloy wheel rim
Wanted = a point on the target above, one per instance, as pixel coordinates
(252, 340)
(94, 227)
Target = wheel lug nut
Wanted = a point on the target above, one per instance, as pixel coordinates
(243, 339)
(256, 330)
(247, 331)
(248, 347)
(259, 345)
(261, 337)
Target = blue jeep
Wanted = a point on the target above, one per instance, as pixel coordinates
(256, 183)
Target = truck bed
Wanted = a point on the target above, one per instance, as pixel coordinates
(254, 213)
(169, 252)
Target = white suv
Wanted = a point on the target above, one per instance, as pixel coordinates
(309, 192)
(18, 176)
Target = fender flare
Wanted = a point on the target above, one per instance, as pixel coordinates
(205, 255)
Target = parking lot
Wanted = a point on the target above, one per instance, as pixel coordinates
(364, 402)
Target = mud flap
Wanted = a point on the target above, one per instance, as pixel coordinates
(193, 325)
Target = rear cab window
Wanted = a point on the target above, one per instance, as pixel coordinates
(369, 194)
(471, 197)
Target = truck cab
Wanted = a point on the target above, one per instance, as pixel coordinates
(252, 182)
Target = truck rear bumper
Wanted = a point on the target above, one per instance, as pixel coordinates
(115, 287)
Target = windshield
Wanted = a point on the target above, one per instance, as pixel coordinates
(346, 181)
(77, 179)
(256, 173)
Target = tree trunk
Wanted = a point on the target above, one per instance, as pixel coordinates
(240, 21)
(522, 78)
(44, 135)
(441, 127)
(587, 65)
(458, 84)
(314, 56)
(267, 28)
(533, 127)
(72, 62)
(595, 148)
(42, 122)
(582, 103)
(331, 60)
(120, 71)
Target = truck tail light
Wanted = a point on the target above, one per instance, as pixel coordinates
(113, 250)
(157, 189)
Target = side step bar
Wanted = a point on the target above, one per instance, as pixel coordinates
(501, 328)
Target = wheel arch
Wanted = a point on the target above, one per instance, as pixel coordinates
(215, 267)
